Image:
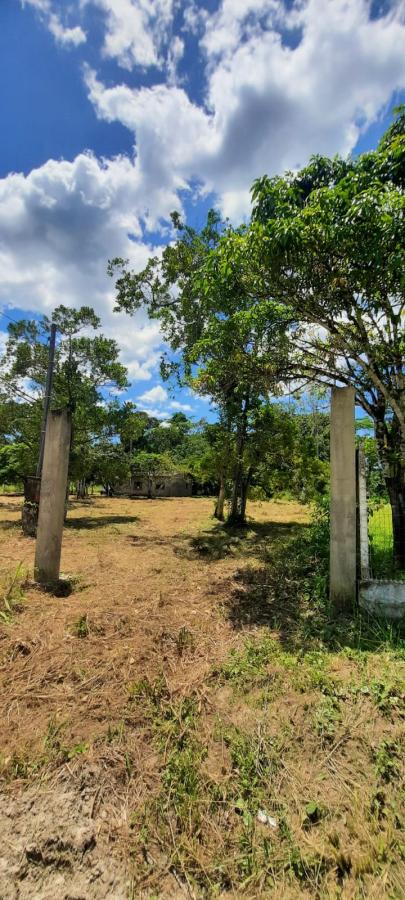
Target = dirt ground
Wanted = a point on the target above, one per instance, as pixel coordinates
(91, 685)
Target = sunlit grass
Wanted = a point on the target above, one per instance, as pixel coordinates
(381, 544)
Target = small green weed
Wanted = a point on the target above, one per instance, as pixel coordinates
(55, 749)
(249, 665)
(327, 717)
(18, 766)
(116, 733)
(52, 737)
(310, 673)
(12, 594)
(153, 693)
(81, 627)
(387, 696)
(255, 758)
(77, 750)
(313, 814)
(387, 757)
(184, 641)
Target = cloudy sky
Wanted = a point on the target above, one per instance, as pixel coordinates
(115, 112)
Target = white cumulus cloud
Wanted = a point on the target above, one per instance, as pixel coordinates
(183, 407)
(269, 104)
(63, 34)
(156, 395)
(58, 227)
(136, 31)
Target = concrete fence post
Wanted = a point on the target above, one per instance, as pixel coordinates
(342, 500)
(53, 497)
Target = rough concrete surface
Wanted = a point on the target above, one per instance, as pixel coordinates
(52, 849)
(383, 598)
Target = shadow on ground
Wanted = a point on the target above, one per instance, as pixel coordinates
(272, 594)
(252, 540)
(92, 522)
(6, 524)
(12, 507)
(284, 589)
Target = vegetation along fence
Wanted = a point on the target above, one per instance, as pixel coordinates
(380, 565)
(384, 560)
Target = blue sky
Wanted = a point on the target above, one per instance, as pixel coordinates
(115, 112)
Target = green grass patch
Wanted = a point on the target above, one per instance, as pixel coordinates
(381, 544)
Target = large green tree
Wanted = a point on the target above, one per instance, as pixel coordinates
(339, 254)
(218, 345)
(328, 243)
(86, 367)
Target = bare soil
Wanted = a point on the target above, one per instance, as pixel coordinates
(94, 688)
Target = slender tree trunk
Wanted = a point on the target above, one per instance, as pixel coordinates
(245, 488)
(81, 489)
(392, 456)
(237, 513)
(219, 506)
(234, 517)
(396, 492)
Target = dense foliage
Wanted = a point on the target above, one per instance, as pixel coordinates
(86, 368)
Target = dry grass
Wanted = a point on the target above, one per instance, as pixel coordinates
(176, 672)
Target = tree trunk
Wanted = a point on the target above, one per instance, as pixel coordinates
(245, 488)
(219, 506)
(29, 519)
(237, 512)
(396, 493)
(81, 489)
(236, 516)
(392, 456)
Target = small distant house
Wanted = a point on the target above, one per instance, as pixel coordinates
(172, 484)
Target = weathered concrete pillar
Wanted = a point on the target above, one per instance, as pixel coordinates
(53, 497)
(342, 500)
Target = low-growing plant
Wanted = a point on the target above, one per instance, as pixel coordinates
(388, 696)
(81, 627)
(327, 717)
(12, 593)
(387, 758)
(248, 665)
(184, 641)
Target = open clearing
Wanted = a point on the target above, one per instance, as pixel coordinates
(187, 723)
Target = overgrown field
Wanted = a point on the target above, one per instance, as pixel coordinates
(188, 721)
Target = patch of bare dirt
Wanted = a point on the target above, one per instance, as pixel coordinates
(53, 847)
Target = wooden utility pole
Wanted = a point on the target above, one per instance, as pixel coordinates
(47, 398)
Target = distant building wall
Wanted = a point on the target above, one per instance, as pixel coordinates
(164, 485)
(177, 485)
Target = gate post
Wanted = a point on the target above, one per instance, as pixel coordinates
(53, 497)
(342, 500)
